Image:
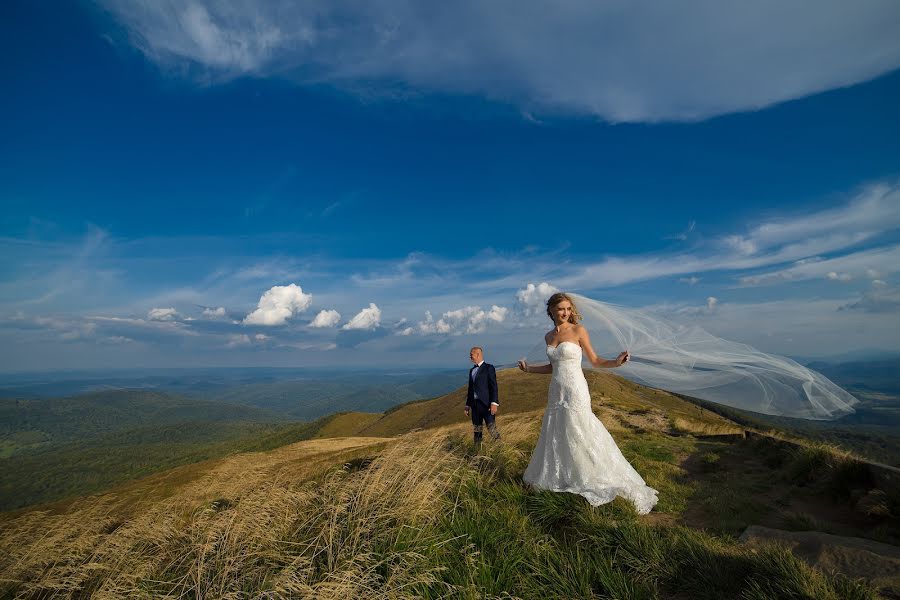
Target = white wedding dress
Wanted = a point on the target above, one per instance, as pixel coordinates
(575, 453)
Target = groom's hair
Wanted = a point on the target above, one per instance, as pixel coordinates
(479, 348)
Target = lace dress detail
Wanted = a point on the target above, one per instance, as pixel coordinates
(575, 453)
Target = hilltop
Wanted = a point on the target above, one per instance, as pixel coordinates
(398, 504)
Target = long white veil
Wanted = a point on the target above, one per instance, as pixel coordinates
(691, 361)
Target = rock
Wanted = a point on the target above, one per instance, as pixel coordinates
(877, 563)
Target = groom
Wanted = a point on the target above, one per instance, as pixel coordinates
(482, 401)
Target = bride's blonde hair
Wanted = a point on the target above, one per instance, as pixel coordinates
(558, 297)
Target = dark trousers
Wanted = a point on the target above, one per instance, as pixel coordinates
(481, 415)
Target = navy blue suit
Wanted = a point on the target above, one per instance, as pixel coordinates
(483, 385)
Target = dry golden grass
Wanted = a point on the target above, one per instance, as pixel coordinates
(256, 522)
(346, 424)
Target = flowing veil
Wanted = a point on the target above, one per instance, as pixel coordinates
(691, 361)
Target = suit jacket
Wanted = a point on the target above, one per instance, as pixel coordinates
(485, 385)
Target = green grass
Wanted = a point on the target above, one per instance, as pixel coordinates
(506, 539)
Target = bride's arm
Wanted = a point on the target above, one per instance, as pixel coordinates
(598, 361)
(546, 369)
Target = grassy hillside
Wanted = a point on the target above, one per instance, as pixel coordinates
(409, 510)
(522, 392)
(418, 516)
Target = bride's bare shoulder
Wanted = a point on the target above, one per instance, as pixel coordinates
(580, 331)
(549, 335)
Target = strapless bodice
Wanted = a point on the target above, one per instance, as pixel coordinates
(564, 354)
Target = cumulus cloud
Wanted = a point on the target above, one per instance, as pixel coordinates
(214, 313)
(326, 318)
(278, 304)
(162, 314)
(366, 319)
(533, 298)
(470, 319)
(578, 57)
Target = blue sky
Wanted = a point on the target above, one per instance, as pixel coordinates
(197, 183)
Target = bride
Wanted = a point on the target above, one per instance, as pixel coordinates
(575, 453)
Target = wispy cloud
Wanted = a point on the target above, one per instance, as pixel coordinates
(873, 211)
(682, 236)
(840, 268)
(577, 57)
(879, 299)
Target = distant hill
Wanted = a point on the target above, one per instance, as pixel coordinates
(873, 375)
(314, 397)
(251, 383)
(101, 413)
(52, 448)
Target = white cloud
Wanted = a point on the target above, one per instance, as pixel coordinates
(711, 307)
(326, 318)
(278, 304)
(876, 300)
(533, 298)
(79, 331)
(429, 325)
(162, 314)
(367, 318)
(689, 280)
(839, 268)
(261, 337)
(238, 340)
(470, 319)
(803, 327)
(800, 238)
(214, 313)
(600, 58)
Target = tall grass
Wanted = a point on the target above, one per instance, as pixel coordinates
(427, 518)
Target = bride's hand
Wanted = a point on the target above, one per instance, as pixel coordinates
(622, 358)
(523, 365)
